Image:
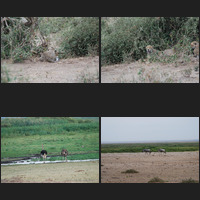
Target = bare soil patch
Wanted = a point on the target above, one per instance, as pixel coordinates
(82, 172)
(73, 70)
(138, 72)
(172, 167)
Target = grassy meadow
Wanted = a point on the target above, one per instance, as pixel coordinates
(138, 147)
(24, 137)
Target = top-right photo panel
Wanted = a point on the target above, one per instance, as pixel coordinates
(150, 50)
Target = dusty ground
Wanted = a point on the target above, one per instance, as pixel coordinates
(172, 167)
(82, 172)
(138, 72)
(73, 70)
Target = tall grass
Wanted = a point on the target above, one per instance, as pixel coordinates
(5, 78)
(25, 136)
(190, 180)
(44, 126)
(127, 37)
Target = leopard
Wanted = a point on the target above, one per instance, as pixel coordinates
(49, 56)
(152, 52)
(195, 48)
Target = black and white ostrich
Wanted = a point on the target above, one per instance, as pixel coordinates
(64, 153)
(43, 153)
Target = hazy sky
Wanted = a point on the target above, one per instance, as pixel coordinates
(149, 129)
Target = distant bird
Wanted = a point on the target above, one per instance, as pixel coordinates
(64, 153)
(43, 153)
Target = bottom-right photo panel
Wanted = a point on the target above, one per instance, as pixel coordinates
(149, 149)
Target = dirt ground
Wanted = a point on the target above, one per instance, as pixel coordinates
(138, 72)
(73, 70)
(172, 167)
(81, 172)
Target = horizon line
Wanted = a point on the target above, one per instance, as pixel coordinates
(154, 141)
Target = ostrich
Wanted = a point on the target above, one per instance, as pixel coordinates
(147, 151)
(43, 153)
(64, 153)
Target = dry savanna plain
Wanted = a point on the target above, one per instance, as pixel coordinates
(80, 172)
(172, 167)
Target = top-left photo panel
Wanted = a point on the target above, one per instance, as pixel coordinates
(49, 50)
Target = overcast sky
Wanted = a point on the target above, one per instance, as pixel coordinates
(148, 129)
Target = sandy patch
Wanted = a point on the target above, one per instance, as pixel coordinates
(137, 72)
(82, 172)
(172, 167)
(74, 70)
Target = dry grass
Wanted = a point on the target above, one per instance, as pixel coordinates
(72, 70)
(130, 171)
(190, 180)
(172, 167)
(156, 180)
(141, 72)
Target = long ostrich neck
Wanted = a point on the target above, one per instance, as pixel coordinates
(42, 147)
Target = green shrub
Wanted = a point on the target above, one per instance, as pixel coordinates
(75, 36)
(81, 37)
(20, 54)
(128, 36)
(15, 41)
(50, 25)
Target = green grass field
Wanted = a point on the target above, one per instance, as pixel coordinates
(138, 147)
(25, 136)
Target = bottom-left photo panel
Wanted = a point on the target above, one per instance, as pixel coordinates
(49, 149)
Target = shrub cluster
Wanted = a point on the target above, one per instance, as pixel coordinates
(15, 40)
(78, 36)
(50, 25)
(126, 38)
(82, 37)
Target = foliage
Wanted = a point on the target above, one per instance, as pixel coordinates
(138, 147)
(50, 25)
(12, 127)
(127, 37)
(78, 36)
(81, 37)
(15, 41)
